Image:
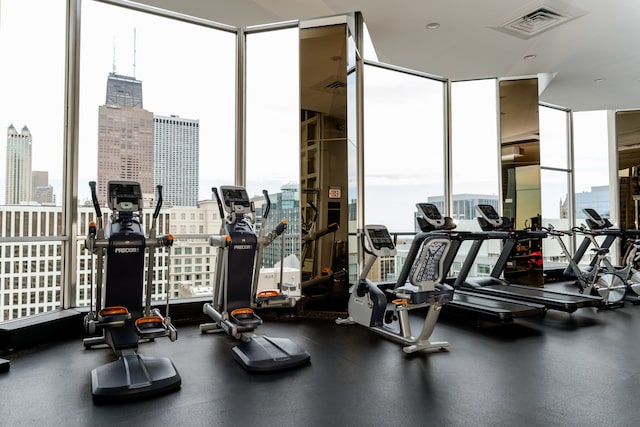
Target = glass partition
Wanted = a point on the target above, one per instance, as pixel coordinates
(32, 111)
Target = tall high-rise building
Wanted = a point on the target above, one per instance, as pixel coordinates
(125, 136)
(18, 168)
(176, 153)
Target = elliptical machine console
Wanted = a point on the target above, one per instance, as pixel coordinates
(119, 314)
(420, 285)
(236, 279)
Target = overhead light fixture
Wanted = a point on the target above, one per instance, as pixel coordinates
(599, 80)
(433, 25)
(529, 57)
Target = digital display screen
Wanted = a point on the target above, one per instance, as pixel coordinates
(380, 238)
(235, 195)
(430, 210)
(489, 212)
(593, 214)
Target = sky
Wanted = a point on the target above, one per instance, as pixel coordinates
(188, 70)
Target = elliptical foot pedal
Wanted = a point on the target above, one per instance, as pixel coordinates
(150, 327)
(264, 354)
(245, 317)
(113, 316)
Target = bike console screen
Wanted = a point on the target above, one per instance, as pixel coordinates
(380, 240)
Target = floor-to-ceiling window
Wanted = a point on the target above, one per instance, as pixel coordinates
(404, 145)
(273, 147)
(157, 106)
(554, 177)
(32, 88)
(474, 162)
(404, 136)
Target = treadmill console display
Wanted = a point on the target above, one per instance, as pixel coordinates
(431, 214)
(379, 240)
(236, 196)
(595, 221)
(489, 213)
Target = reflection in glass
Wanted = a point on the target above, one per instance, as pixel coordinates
(324, 165)
(520, 158)
(628, 143)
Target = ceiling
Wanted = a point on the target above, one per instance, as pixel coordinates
(589, 62)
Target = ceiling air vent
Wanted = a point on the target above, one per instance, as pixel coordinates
(535, 22)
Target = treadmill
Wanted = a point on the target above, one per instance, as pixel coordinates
(491, 308)
(494, 286)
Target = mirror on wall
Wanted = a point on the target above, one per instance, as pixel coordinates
(520, 169)
(324, 166)
(628, 143)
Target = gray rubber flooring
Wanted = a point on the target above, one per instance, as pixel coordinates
(580, 369)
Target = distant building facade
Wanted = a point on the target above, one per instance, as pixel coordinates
(176, 153)
(18, 166)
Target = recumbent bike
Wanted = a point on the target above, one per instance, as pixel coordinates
(419, 286)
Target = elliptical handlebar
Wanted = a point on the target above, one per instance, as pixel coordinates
(265, 214)
(96, 204)
(156, 212)
(214, 190)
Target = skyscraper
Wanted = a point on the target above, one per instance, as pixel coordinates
(18, 169)
(176, 153)
(125, 136)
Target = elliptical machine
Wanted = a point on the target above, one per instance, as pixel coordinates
(419, 286)
(119, 314)
(235, 288)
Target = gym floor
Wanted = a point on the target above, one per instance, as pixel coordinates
(564, 370)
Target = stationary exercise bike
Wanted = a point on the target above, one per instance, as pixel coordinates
(602, 279)
(119, 316)
(235, 290)
(419, 286)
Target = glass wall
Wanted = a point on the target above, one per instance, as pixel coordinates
(32, 109)
(555, 180)
(157, 106)
(272, 153)
(404, 145)
(474, 163)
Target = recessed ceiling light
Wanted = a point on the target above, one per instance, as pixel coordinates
(599, 80)
(433, 25)
(529, 57)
